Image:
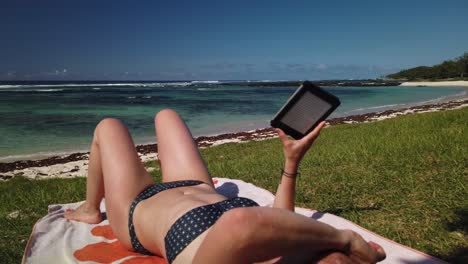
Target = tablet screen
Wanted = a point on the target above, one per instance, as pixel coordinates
(307, 110)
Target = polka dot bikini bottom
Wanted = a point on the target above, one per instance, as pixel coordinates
(190, 225)
(196, 221)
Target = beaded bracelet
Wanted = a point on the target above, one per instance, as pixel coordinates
(290, 175)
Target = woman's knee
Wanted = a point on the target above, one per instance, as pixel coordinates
(107, 125)
(165, 114)
(231, 238)
(242, 225)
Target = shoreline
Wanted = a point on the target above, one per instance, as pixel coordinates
(436, 83)
(75, 164)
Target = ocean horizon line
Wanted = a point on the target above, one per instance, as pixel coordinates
(158, 83)
(191, 80)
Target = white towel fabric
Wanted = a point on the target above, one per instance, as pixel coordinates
(57, 240)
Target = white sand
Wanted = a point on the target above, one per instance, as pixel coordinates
(80, 168)
(224, 141)
(66, 170)
(446, 83)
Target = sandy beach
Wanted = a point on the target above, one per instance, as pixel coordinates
(443, 84)
(76, 164)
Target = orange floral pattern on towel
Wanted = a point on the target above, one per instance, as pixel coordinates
(108, 252)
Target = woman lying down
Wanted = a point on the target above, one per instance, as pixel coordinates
(185, 220)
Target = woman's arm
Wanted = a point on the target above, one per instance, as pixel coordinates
(294, 151)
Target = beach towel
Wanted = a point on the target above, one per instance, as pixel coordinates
(57, 240)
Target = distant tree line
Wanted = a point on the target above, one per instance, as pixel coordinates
(456, 68)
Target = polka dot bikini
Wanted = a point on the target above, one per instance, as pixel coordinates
(145, 194)
(196, 221)
(190, 225)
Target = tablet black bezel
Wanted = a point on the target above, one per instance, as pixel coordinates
(305, 87)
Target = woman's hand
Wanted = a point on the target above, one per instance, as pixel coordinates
(361, 251)
(358, 252)
(294, 150)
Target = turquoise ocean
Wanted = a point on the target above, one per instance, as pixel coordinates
(38, 120)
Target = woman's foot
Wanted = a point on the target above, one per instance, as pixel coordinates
(84, 213)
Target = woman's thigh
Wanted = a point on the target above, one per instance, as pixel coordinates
(124, 174)
(177, 151)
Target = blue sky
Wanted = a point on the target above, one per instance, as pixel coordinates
(226, 40)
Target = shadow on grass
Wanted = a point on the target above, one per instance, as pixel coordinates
(461, 224)
(339, 211)
(458, 255)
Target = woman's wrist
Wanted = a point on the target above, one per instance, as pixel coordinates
(291, 167)
(293, 176)
(345, 240)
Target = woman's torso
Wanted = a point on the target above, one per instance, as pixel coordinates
(154, 217)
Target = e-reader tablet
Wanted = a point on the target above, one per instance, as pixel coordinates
(304, 110)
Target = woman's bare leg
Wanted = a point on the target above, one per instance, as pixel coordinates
(248, 235)
(116, 170)
(89, 211)
(177, 151)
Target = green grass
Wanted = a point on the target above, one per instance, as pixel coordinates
(404, 178)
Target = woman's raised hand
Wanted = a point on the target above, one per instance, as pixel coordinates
(294, 150)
